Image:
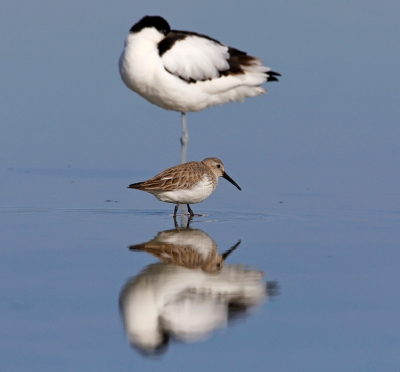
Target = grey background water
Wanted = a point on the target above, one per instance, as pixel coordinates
(317, 159)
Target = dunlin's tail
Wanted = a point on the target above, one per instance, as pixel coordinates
(135, 185)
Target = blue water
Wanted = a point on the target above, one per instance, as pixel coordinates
(325, 288)
(318, 216)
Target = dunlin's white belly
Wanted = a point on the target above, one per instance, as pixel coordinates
(195, 194)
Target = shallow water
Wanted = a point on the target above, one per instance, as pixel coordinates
(304, 290)
(313, 284)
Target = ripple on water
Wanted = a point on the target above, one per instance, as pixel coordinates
(212, 216)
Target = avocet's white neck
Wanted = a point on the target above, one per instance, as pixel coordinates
(144, 41)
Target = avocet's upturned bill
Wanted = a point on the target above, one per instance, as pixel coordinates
(186, 71)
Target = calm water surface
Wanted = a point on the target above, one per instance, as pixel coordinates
(313, 284)
(103, 286)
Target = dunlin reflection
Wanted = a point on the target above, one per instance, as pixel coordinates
(190, 248)
(185, 302)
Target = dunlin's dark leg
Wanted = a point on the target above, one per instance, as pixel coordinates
(176, 210)
(176, 223)
(190, 211)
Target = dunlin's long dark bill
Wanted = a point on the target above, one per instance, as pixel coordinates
(231, 180)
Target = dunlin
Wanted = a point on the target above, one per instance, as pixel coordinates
(186, 71)
(187, 183)
(190, 248)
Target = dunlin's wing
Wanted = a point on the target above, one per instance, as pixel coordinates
(181, 176)
(191, 248)
(169, 253)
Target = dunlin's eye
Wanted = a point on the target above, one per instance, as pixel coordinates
(218, 165)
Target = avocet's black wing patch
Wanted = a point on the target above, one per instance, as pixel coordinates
(195, 57)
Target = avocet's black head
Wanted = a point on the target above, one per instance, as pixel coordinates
(157, 22)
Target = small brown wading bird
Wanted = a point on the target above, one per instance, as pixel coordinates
(187, 183)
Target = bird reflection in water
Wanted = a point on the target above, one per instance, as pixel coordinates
(189, 294)
(190, 248)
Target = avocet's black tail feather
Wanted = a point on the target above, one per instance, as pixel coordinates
(273, 75)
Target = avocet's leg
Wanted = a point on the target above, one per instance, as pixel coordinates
(184, 216)
(184, 138)
(184, 143)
